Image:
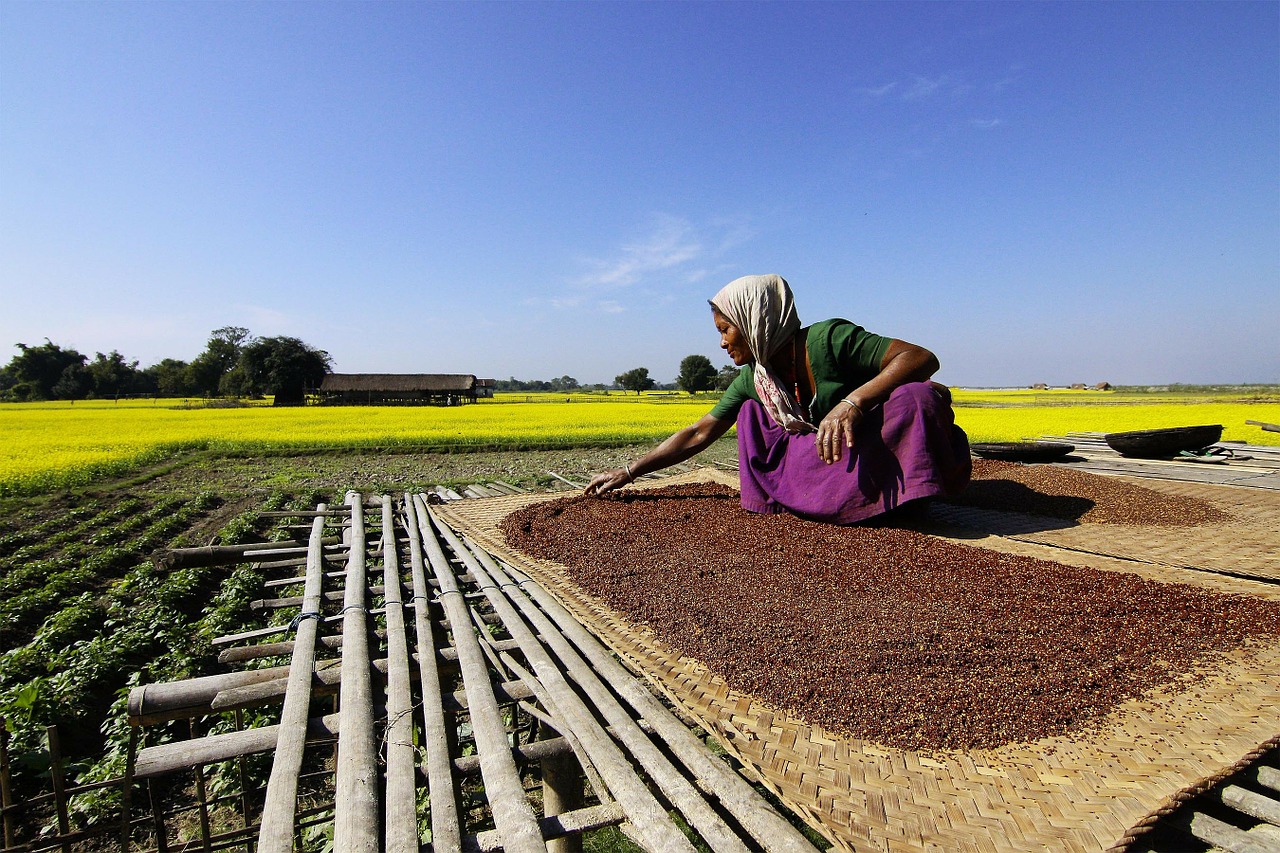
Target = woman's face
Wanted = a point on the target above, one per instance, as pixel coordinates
(731, 339)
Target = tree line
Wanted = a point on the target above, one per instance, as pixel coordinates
(234, 363)
(696, 374)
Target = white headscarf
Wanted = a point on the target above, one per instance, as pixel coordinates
(763, 309)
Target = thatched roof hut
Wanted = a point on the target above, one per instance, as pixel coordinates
(398, 388)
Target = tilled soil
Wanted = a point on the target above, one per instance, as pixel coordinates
(879, 633)
(1059, 492)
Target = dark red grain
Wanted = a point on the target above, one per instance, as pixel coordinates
(879, 633)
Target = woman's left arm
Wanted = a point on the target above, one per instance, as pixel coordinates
(902, 363)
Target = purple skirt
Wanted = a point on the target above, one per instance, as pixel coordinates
(909, 448)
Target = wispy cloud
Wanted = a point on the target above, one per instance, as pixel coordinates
(671, 242)
(922, 87)
(879, 91)
(919, 87)
(986, 123)
(668, 250)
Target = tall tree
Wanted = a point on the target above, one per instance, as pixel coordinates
(283, 366)
(36, 371)
(220, 355)
(696, 374)
(170, 377)
(111, 376)
(635, 380)
(725, 377)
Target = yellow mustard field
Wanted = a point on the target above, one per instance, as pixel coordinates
(47, 445)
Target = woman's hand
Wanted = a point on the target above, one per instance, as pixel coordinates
(836, 430)
(607, 482)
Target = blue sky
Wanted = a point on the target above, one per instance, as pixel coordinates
(1048, 192)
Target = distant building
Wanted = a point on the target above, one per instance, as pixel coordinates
(1102, 386)
(400, 389)
(1079, 386)
(1040, 386)
(484, 387)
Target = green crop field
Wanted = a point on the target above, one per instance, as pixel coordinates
(46, 446)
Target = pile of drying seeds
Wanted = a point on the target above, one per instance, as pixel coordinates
(884, 634)
(1059, 492)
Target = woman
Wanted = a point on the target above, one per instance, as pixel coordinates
(834, 423)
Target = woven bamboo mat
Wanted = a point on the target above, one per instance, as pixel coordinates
(1248, 545)
(1082, 793)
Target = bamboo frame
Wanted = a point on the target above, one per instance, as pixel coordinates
(767, 826)
(512, 813)
(732, 791)
(647, 815)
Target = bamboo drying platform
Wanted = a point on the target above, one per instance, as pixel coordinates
(1261, 470)
(1092, 792)
(1247, 489)
(459, 681)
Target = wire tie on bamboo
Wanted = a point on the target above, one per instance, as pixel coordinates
(310, 614)
(358, 607)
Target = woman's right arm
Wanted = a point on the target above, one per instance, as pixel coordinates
(682, 445)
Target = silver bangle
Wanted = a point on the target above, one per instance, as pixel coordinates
(851, 403)
(631, 478)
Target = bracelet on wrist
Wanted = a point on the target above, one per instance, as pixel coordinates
(631, 478)
(854, 405)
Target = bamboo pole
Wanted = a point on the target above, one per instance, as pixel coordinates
(243, 774)
(157, 818)
(772, 831)
(212, 555)
(355, 818)
(512, 814)
(176, 700)
(275, 833)
(126, 791)
(401, 802)
(59, 786)
(202, 794)
(569, 823)
(6, 795)
(169, 757)
(340, 512)
(239, 654)
(445, 832)
(645, 812)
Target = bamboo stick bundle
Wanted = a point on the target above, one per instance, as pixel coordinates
(512, 814)
(769, 828)
(445, 831)
(355, 818)
(275, 833)
(673, 784)
(647, 815)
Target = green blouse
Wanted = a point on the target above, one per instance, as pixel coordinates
(843, 357)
